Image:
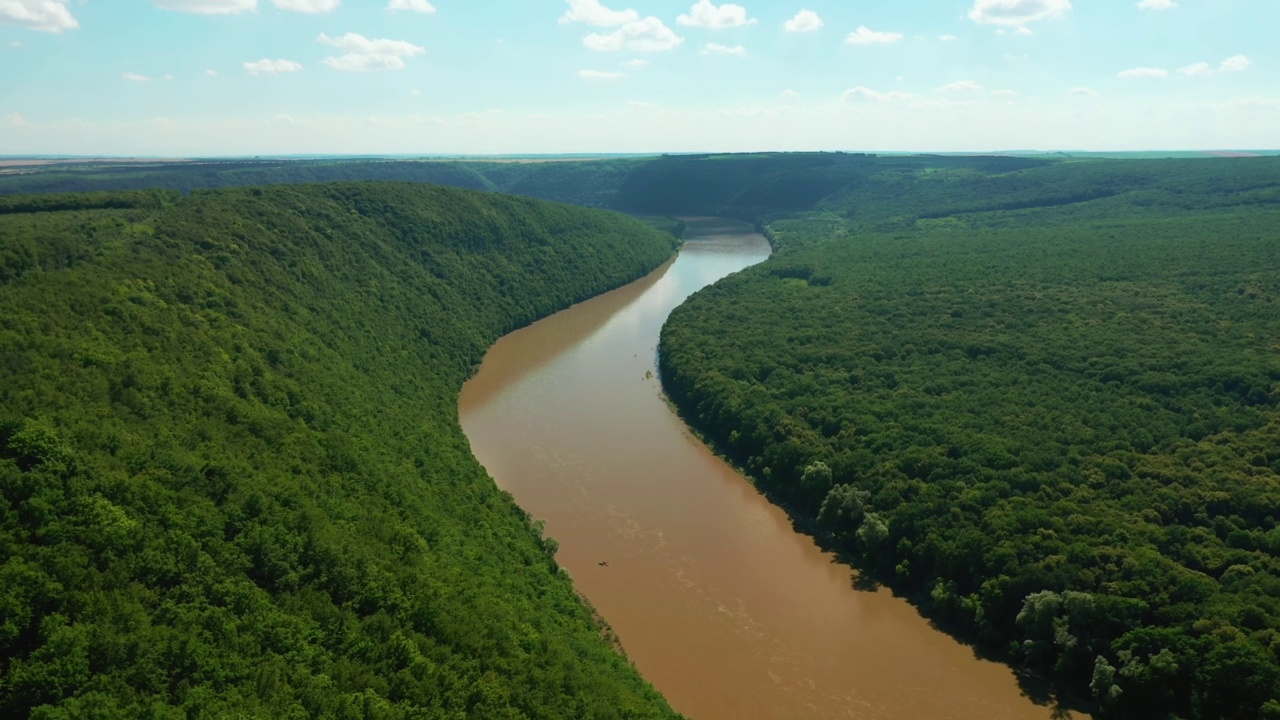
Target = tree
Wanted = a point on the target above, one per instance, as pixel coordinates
(843, 509)
(1103, 686)
(815, 482)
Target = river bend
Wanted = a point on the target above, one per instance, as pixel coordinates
(721, 605)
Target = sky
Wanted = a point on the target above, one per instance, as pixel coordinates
(190, 78)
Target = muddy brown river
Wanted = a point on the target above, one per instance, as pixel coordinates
(721, 605)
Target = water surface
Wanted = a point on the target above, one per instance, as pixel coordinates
(720, 604)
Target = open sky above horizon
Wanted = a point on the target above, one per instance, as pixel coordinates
(250, 77)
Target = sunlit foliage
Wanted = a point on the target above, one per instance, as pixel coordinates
(232, 482)
(1041, 402)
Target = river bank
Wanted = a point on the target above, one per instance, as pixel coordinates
(718, 601)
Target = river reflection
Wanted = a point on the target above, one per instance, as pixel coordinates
(720, 604)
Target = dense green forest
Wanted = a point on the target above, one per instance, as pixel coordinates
(742, 186)
(1037, 396)
(593, 184)
(232, 482)
(1041, 401)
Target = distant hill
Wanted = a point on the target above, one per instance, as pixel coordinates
(738, 185)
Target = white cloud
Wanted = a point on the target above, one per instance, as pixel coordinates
(135, 77)
(15, 44)
(208, 7)
(1004, 93)
(1245, 103)
(167, 76)
(947, 38)
(591, 12)
(960, 85)
(636, 63)
(1024, 31)
(1236, 63)
(1157, 4)
(271, 67)
(308, 6)
(415, 92)
(1084, 92)
(1016, 12)
(647, 35)
(418, 6)
(365, 55)
(640, 105)
(1143, 72)
(861, 92)
(44, 15)
(600, 75)
(705, 14)
(866, 36)
(718, 49)
(804, 21)
(211, 73)
(16, 120)
(866, 93)
(902, 100)
(790, 94)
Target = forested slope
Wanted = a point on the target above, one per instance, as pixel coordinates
(587, 183)
(744, 186)
(1039, 397)
(1043, 403)
(232, 482)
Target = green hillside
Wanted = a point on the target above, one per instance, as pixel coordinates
(746, 186)
(232, 482)
(1037, 395)
(589, 183)
(1041, 402)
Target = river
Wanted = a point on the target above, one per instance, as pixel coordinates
(717, 600)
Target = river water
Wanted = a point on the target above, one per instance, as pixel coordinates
(720, 604)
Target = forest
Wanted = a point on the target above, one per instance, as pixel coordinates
(1040, 402)
(591, 184)
(232, 481)
(1039, 397)
(742, 186)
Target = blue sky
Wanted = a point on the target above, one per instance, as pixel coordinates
(235, 77)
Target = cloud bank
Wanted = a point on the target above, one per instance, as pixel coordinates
(804, 21)
(266, 66)
(647, 35)
(706, 14)
(866, 36)
(1016, 13)
(43, 15)
(365, 55)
